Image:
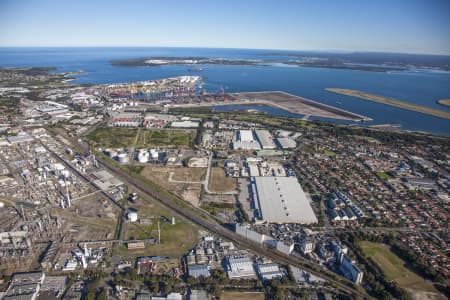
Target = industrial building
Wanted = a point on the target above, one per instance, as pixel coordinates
(269, 271)
(24, 286)
(240, 266)
(198, 271)
(307, 246)
(417, 183)
(185, 124)
(53, 108)
(245, 140)
(22, 137)
(53, 287)
(284, 248)
(247, 232)
(286, 143)
(125, 119)
(281, 200)
(265, 139)
(350, 270)
(152, 120)
(105, 180)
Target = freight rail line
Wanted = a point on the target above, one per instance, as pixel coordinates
(203, 220)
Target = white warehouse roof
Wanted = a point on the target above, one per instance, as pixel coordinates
(246, 136)
(286, 143)
(282, 200)
(240, 266)
(265, 139)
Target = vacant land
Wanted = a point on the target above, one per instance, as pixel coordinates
(215, 208)
(444, 102)
(188, 174)
(241, 296)
(219, 182)
(392, 102)
(394, 267)
(190, 192)
(175, 239)
(108, 137)
(165, 138)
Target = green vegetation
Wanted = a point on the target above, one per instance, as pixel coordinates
(165, 138)
(393, 267)
(392, 102)
(215, 208)
(176, 239)
(111, 137)
(329, 153)
(197, 109)
(307, 149)
(9, 106)
(261, 118)
(366, 138)
(108, 137)
(383, 175)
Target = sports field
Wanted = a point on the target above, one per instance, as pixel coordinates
(394, 267)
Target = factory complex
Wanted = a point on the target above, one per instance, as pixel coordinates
(281, 200)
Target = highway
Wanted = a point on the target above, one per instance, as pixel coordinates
(202, 219)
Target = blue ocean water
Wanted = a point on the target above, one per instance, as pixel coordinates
(417, 86)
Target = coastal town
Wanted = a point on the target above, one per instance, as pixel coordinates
(143, 190)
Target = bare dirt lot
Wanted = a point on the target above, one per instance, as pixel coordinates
(188, 191)
(188, 174)
(219, 182)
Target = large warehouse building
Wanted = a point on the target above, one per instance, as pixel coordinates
(281, 200)
(245, 140)
(265, 139)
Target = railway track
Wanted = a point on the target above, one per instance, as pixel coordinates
(202, 219)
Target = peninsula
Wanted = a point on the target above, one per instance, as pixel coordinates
(392, 102)
(444, 102)
(311, 62)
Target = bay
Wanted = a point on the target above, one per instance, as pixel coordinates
(422, 87)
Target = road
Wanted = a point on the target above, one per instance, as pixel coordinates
(203, 220)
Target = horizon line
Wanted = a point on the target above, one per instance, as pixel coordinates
(333, 51)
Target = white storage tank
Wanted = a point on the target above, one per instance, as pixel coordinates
(154, 153)
(123, 158)
(112, 153)
(65, 174)
(132, 216)
(143, 156)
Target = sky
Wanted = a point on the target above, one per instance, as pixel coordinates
(405, 26)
